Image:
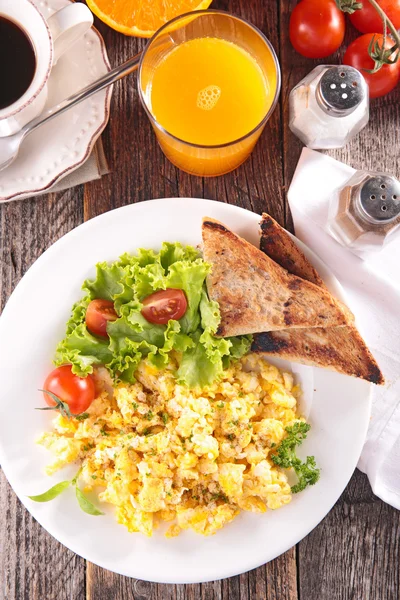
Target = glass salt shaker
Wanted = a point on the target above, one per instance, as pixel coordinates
(364, 214)
(329, 106)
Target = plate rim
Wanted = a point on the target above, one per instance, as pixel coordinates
(31, 273)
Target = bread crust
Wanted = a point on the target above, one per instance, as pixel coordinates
(278, 245)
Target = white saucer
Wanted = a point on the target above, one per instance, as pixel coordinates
(64, 144)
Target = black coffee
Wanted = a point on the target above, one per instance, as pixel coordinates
(17, 62)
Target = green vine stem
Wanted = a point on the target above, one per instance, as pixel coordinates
(388, 22)
(378, 53)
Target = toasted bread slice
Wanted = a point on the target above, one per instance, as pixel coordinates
(256, 294)
(340, 349)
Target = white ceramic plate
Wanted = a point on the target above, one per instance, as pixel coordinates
(32, 323)
(61, 146)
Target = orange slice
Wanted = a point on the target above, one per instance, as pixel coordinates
(142, 17)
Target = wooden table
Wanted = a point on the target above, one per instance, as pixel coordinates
(354, 553)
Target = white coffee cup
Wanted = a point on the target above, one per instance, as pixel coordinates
(50, 39)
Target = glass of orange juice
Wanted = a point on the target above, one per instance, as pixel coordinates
(209, 82)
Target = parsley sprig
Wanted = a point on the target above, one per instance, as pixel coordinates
(285, 456)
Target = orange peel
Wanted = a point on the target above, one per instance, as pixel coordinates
(142, 18)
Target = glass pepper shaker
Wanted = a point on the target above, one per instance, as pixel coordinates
(365, 213)
(329, 106)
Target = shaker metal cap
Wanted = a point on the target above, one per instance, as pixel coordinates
(340, 90)
(380, 197)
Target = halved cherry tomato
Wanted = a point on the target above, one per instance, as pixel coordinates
(77, 392)
(383, 81)
(367, 19)
(316, 28)
(164, 305)
(98, 314)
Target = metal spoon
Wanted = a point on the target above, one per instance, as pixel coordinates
(9, 146)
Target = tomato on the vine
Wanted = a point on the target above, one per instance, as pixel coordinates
(316, 28)
(386, 78)
(77, 392)
(368, 20)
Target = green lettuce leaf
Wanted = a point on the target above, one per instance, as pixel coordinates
(107, 283)
(190, 278)
(240, 346)
(124, 364)
(201, 365)
(126, 282)
(149, 279)
(82, 350)
(78, 314)
(137, 329)
(124, 301)
(209, 312)
(143, 257)
(173, 340)
(172, 253)
(131, 342)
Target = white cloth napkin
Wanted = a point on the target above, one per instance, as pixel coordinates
(372, 286)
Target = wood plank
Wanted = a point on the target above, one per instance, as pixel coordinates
(33, 565)
(354, 553)
(274, 581)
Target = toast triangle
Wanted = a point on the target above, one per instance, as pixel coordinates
(255, 294)
(340, 349)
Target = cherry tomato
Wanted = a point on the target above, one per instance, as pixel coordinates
(316, 28)
(98, 314)
(367, 20)
(164, 305)
(383, 81)
(77, 392)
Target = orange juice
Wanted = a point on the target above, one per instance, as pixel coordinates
(209, 83)
(209, 91)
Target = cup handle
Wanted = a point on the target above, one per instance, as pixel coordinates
(67, 26)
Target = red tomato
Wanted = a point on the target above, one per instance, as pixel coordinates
(98, 314)
(77, 392)
(367, 20)
(383, 81)
(164, 305)
(316, 28)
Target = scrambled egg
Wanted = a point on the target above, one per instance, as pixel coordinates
(160, 452)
